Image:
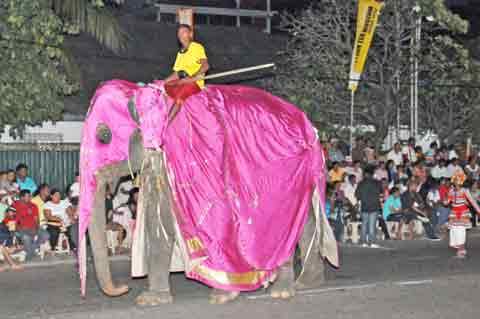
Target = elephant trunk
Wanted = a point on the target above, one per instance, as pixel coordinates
(98, 241)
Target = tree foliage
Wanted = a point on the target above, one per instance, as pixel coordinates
(316, 63)
(36, 69)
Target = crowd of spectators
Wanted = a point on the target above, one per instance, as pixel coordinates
(33, 217)
(401, 187)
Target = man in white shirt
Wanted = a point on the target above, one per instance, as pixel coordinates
(396, 154)
(439, 170)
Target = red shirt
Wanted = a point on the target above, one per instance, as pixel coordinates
(443, 190)
(26, 215)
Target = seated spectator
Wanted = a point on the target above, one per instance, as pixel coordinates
(419, 153)
(355, 169)
(337, 173)
(452, 153)
(392, 212)
(472, 169)
(3, 181)
(334, 152)
(74, 189)
(431, 153)
(27, 224)
(125, 215)
(396, 155)
(420, 172)
(58, 220)
(72, 230)
(9, 190)
(439, 171)
(40, 198)
(453, 167)
(23, 180)
(392, 172)
(381, 172)
(401, 174)
(414, 208)
(122, 194)
(8, 259)
(409, 154)
(370, 154)
(5, 236)
(436, 203)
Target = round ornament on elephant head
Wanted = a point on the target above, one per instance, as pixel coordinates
(103, 133)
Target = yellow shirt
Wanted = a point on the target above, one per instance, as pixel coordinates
(189, 61)
(37, 200)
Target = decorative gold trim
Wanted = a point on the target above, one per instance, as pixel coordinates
(225, 278)
(194, 245)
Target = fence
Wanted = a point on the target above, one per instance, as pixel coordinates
(54, 164)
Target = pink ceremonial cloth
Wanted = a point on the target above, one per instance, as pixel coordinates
(242, 164)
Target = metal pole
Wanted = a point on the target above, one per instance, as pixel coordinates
(412, 84)
(352, 104)
(418, 47)
(238, 17)
(269, 17)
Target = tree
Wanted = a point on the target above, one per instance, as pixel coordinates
(316, 63)
(36, 70)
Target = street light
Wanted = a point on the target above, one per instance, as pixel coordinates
(415, 48)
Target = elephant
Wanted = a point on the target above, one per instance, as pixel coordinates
(126, 133)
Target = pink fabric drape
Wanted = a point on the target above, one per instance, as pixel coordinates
(242, 166)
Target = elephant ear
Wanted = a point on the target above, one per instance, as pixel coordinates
(136, 151)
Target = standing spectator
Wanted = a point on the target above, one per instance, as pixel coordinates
(57, 214)
(414, 208)
(396, 155)
(409, 153)
(392, 172)
(27, 224)
(348, 188)
(23, 180)
(472, 169)
(369, 193)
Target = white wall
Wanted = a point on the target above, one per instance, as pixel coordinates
(66, 131)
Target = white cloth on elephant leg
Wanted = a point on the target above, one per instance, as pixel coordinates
(458, 236)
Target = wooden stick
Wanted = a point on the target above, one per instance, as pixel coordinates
(222, 74)
(238, 71)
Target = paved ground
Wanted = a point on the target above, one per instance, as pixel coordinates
(416, 279)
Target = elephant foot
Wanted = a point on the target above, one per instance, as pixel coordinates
(113, 291)
(282, 293)
(220, 297)
(154, 298)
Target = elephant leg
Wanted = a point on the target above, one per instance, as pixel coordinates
(160, 234)
(97, 233)
(284, 286)
(313, 271)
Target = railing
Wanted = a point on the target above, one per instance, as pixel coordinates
(232, 12)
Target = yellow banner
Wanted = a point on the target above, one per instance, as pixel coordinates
(367, 18)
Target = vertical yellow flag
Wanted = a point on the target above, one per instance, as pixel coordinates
(367, 18)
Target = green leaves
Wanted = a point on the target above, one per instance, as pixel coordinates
(32, 81)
